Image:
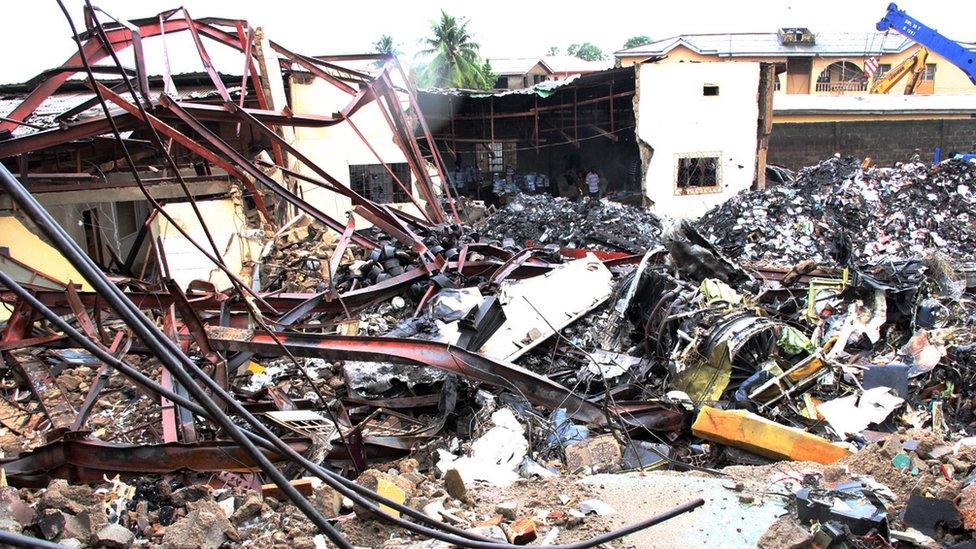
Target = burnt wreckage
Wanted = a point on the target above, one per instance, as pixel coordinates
(317, 382)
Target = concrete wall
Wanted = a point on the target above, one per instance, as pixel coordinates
(337, 147)
(676, 119)
(795, 145)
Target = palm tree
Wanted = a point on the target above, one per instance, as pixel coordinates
(455, 62)
(385, 45)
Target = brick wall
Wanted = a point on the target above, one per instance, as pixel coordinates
(795, 145)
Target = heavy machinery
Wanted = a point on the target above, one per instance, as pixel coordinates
(913, 67)
(931, 41)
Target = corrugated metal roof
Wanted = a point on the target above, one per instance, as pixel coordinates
(768, 44)
(44, 115)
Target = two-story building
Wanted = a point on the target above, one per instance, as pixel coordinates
(811, 63)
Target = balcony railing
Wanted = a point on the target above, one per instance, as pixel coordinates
(842, 86)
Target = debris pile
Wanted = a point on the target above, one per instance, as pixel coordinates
(557, 372)
(837, 213)
(592, 224)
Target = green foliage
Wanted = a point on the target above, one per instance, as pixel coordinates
(585, 51)
(635, 41)
(385, 45)
(454, 59)
(553, 50)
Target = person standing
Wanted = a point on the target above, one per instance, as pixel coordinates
(530, 182)
(593, 184)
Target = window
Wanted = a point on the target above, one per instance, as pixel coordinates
(697, 174)
(709, 90)
(824, 76)
(375, 183)
(501, 83)
(929, 72)
(883, 68)
(538, 78)
(493, 157)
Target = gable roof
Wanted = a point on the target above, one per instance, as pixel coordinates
(840, 44)
(573, 64)
(504, 66)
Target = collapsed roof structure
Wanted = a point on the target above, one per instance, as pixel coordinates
(229, 294)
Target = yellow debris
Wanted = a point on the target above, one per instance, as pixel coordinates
(254, 367)
(389, 490)
(757, 434)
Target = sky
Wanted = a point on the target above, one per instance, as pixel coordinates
(34, 35)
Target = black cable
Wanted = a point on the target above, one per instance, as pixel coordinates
(14, 539)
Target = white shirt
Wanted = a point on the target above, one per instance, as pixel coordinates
(593, 182)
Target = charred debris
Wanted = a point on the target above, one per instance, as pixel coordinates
(430, 380)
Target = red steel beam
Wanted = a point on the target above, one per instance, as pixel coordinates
(537, 389)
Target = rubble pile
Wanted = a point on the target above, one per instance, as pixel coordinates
(517, 393)
(594, 224)
(837, 213)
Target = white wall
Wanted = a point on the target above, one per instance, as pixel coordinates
(335, 148)
(675, 118)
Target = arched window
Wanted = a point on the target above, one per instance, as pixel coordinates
(842, 76)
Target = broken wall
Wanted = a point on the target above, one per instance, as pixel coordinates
(336, 148)
(677, 119)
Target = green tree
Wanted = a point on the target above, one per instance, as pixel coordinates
(385, 45)
(454, 59)
(635, 41)
(585, 51)
(553, 50)
(489, 74)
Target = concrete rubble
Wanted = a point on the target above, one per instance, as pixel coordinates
(794, 368)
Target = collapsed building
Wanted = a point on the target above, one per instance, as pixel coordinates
(252, 308)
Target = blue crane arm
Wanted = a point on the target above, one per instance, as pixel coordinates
(930, 38)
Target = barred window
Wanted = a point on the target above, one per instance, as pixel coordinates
(375, 183)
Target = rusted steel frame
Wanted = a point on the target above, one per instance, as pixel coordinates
(49, 138)
(34, 272)
(198, 333)
(168, 412)
(353, 300)
(81, 315)
(343, 190)
(168, 85)
(205, 57)
(31, 342)
(190, 145)
(417, 168)
(434, 152)
(406, 189)
(301, 61)
(117, 349)
(334, 183)
(400, 126)
(18, 326)
(217, 113)
(120, 38)
(249, 168)
(142, 77)
(537, 389)
(154, 135)
(340, 247)
(183, 418)
(88, 460)
(511, 264)
(323, 61)
(246, 39)
(137, 243)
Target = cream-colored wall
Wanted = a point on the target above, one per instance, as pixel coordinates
(676, 119)
(683, 54)
(948, 77)
(239, 246)
(335, 148)
(28, 248)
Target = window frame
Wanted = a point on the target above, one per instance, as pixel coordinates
(686, 190)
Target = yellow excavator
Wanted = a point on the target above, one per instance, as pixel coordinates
(913, 67)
